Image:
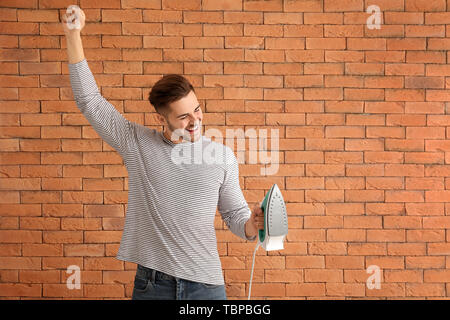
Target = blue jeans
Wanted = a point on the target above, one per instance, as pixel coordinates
(150, 284)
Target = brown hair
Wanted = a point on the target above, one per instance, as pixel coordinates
(168, 89)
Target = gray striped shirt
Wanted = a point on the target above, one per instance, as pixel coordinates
(169, 224)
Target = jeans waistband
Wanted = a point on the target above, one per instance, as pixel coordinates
(148, 273)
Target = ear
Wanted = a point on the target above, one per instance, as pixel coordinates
(161, 118)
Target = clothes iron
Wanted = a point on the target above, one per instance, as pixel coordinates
(275, 225)
(275, 220)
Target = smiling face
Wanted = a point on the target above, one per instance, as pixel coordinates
(183, 120)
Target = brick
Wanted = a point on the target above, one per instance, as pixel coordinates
(262, 6)
(366, 44)
(303, 31)
(9, 41)
(425, 235)
(231, 42)
(346, 262)
(366, 248)
(422, 5)
(38, 15)
(42, 250)
(20, 210)
(402, 276)
(428, 290)
(9, 67)
(406, 249)
(203, 17)
(124, 15)
(385, 56)
(409, 44)
(223, 55)
(283, 18)
(305, 6)
(403, 18)
(287, 276)
(325, 43)
(145, 4)
(19, 55)
(344, 56)
(102, 236)
(298, 55)
(18, 81)
(323, 18)
(123, 67)
(436, 18)
(34, 223)
(264, 55)
(100, 4)
(305, 289)
(137, 28)
(19, 28)
(438, 44)
(323, 68)
(63, 236)
(388, 290)
(347, 5)
(324, 248)
(284, 43)
(345, 289)
(39, 277)
(8, 14)
(388, 31)
(40, 68)
(263, 30)
(323, 275)
(104, 290)
(20, 290)
(364, 68)
(425, 262)
(20, 236)
(363, 123)
(438, 248)
(20, 263)
(343, 31)
(243, 17)
(425, 31)
(121, 41)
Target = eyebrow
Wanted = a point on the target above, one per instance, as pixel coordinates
(185, 114)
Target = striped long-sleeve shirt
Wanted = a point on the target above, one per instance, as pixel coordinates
(172, 197)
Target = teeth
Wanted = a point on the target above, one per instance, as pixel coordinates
(195, 128)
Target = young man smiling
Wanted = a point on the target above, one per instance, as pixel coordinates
(169, 227)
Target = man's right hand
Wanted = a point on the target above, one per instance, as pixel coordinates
(71, 19)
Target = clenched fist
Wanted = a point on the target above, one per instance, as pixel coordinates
(73, 20)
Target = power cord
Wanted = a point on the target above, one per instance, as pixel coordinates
(253, 265)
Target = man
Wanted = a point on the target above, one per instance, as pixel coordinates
(169, 228)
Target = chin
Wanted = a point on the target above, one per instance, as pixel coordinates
(193, 138)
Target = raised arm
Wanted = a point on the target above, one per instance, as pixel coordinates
(111, 126)
(75, 51)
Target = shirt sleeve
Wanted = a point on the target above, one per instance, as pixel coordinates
(232, 205)
(110, 125)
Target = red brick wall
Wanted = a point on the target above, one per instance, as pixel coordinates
(363, 121)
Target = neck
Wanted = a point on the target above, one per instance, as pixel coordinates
(167, 135)
(180, 140)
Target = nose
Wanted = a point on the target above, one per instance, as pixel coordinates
(194, 120)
